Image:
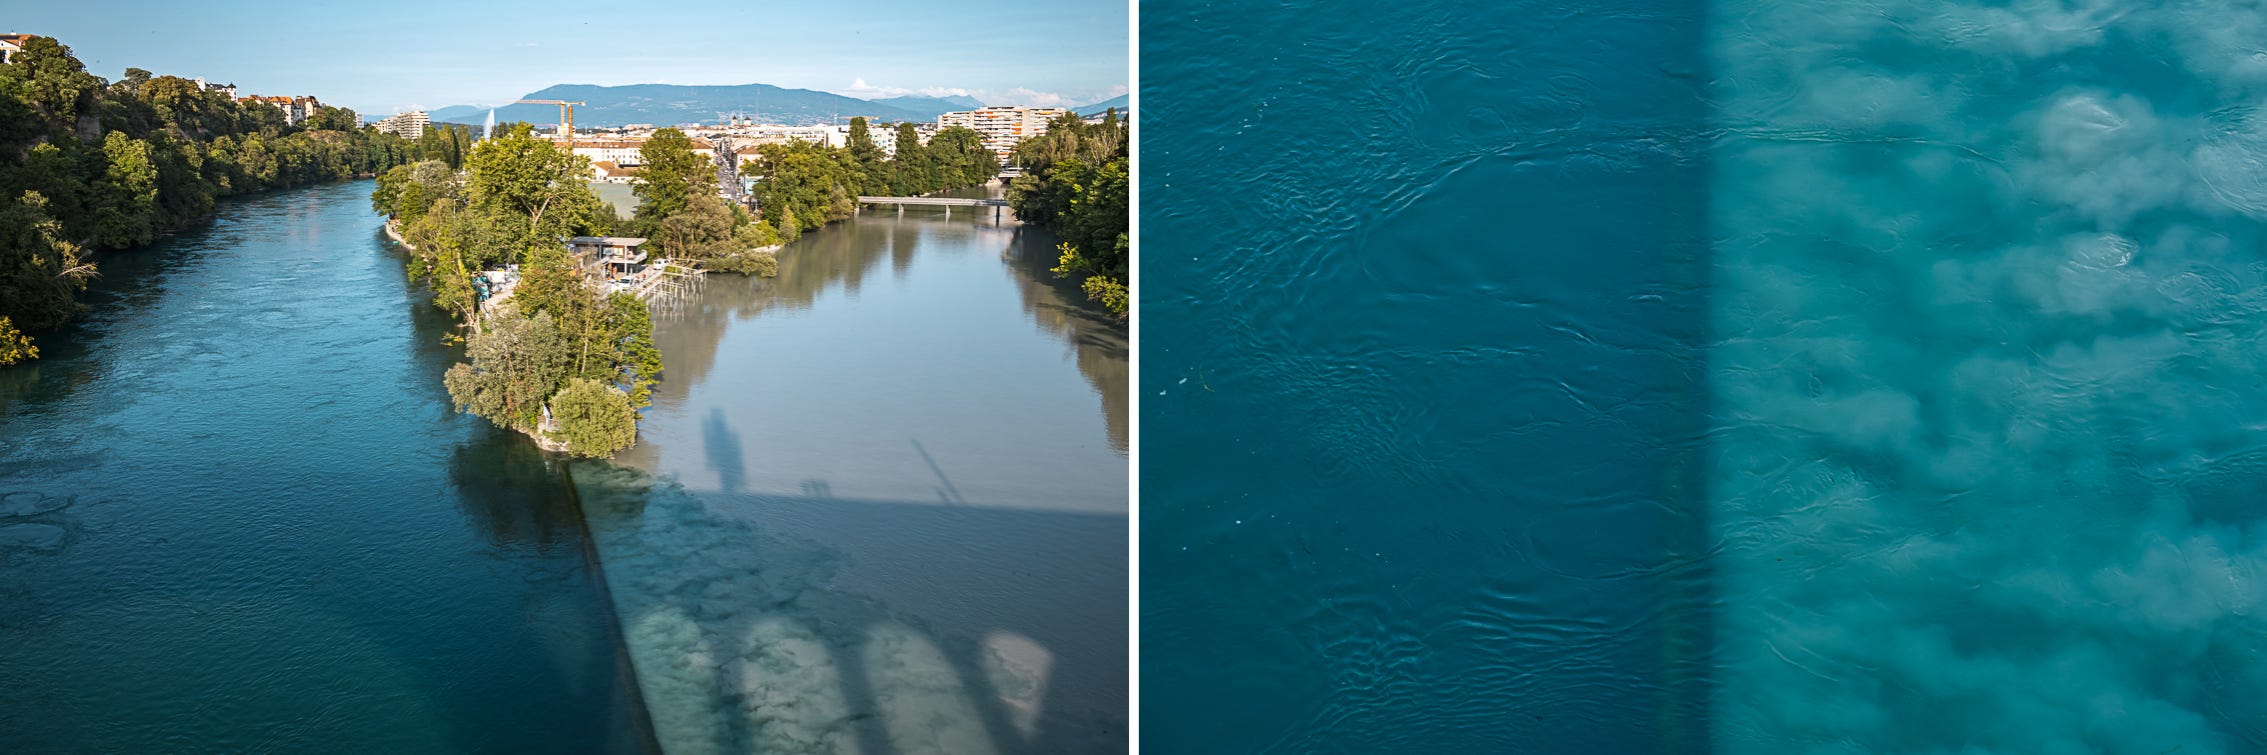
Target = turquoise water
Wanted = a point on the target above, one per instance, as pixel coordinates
(1423, 306)
(1987, 456)
(237, 514)
(1751, 377)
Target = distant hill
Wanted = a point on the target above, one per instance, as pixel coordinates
(667, 104)
(931, 106)
(1118, 102)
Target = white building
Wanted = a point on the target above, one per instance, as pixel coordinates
(410, 125)
(227, 89)
(10, 44)
(626, 152)
(783, 134)
(1003, 126)
(884, 136)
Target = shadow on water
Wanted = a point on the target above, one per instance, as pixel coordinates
(522, 502)
(804, 666)
(768, 613)
(722, 447)
(946, 493)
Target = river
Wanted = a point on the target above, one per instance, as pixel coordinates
(879, 503)
(239, 515)
(237, 512)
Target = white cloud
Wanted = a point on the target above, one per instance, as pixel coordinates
(861, 89)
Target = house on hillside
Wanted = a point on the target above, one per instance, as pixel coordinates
(10, 44)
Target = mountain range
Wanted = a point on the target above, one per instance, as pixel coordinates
(1118, 102)
(670, 104)
(932, 106)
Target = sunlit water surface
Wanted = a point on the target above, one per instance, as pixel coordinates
(879, 503)
(237, 514)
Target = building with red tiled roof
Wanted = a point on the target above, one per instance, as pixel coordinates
(10, 44)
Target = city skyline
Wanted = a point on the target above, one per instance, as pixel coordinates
(402, 59)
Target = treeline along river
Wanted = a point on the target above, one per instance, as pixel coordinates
(879, 504)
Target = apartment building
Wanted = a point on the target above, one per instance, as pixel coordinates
(410, 125)
(1003, 126)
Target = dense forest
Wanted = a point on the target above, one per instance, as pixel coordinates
(88, 165)
(1075, 183)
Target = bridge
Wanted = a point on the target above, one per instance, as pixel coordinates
(946, 202)
(935, 201)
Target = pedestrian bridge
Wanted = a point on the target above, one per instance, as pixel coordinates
(935, 201)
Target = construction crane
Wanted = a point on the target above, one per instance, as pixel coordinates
(566, 116)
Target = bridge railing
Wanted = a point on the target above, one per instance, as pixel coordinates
(935, 201)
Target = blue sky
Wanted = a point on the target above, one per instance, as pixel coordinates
(383, 57)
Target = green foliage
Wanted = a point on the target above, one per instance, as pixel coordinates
(327, 118)
(609, 338)
(517, 362)
(14, 345)
(128, 194)
(532, 192)
(671, 180)
(449, 143)
(93, 166)
(1077, 183)
(40, 272)
(804, 186)
(862, 149)
(595, 419)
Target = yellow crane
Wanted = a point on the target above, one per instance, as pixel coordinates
(566, 117)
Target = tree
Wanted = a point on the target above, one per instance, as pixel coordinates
(862, 148)
(595, 419)
(46, 76)
(1076, 183)
(517, 362)
(702, 230)
(334, 119)
(14, 345)
(671, 179)
(129, 193)
(961, 158)
(135, 78)
(40, 273)
(535, 190)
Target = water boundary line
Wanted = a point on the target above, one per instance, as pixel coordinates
(625, 665)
